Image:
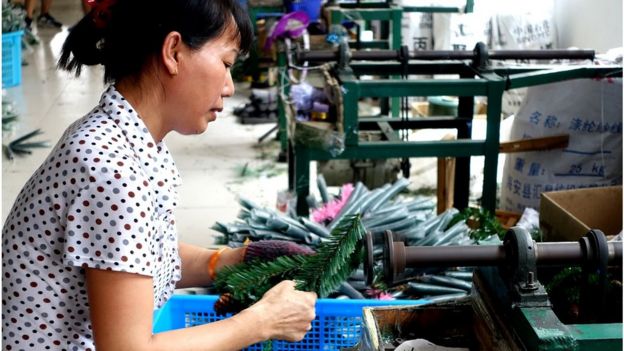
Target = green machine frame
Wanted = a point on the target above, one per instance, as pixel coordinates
(474, 80)
(387, 13)
(392, 15)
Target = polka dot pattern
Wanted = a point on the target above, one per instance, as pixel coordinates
(104, 198)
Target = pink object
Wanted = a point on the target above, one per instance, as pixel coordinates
(378, 294)
(331, 209)
(385, 296)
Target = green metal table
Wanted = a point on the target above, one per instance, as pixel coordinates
(489, 82)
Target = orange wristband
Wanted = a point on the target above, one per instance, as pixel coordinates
(212, 263)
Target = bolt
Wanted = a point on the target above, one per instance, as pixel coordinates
(530, 284)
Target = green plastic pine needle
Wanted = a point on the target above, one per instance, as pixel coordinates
(334, 260)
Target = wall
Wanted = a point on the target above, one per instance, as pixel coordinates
(590, 24)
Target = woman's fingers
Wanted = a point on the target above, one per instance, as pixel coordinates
(290, 311)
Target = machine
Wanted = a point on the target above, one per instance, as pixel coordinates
(508, 299)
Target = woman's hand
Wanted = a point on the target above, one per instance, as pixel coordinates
(286, 312)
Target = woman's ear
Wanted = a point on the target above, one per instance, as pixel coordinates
(171, 49)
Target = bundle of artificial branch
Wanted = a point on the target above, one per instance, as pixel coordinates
(266, 224)
(243, 284)
(376, 208)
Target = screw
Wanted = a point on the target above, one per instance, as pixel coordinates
(530, 284)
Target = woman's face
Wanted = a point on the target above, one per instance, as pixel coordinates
(202, 82)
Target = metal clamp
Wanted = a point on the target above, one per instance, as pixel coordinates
(521, 258)
(596, 251)
(481, 56)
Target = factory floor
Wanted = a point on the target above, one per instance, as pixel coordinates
(216, 167)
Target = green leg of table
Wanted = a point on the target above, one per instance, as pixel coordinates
(284, 86)
(350, 113)
(396, 15)
(461, 191)
(302, 179)
(494, 97)
(290, 158)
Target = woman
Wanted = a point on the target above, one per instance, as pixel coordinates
(90, 247)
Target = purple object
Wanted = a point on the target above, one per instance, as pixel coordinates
(320, 107)
(291, 25)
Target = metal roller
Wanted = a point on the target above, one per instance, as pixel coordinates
(518, 252)
(429, 55)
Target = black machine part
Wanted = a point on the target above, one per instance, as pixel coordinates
(519, 256)
(479, 55)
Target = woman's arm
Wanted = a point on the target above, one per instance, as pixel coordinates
(121, 307)
(195, 262)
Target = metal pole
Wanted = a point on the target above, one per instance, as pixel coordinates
(556, 253)
(452, 256)
(426, 55)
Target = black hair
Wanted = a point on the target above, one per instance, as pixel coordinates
(136, 29)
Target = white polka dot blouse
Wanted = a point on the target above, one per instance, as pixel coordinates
(103, 198)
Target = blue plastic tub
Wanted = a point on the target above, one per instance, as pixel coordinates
(337, 324)
(311, 7)
(12, 59)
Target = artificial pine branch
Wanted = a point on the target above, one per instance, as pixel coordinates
(334, 259)
(322, 272)
(248, 281)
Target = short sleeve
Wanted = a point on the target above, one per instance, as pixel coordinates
(110, 223)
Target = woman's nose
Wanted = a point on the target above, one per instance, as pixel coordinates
(228, 86)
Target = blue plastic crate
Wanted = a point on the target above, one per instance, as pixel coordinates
(337, 324)
(12, 59)
(310, 7)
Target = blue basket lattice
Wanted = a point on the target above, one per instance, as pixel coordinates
(11, 59)
(337, 324)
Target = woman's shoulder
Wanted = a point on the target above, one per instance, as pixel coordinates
(95, 134)
(95, 146)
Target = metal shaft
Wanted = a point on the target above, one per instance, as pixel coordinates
(392, 55)
(451, 256)
(518, 251)
(560, 253)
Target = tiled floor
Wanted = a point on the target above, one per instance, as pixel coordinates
(210, 163)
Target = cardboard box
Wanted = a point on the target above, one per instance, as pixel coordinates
(568, 215)
(461, 323)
